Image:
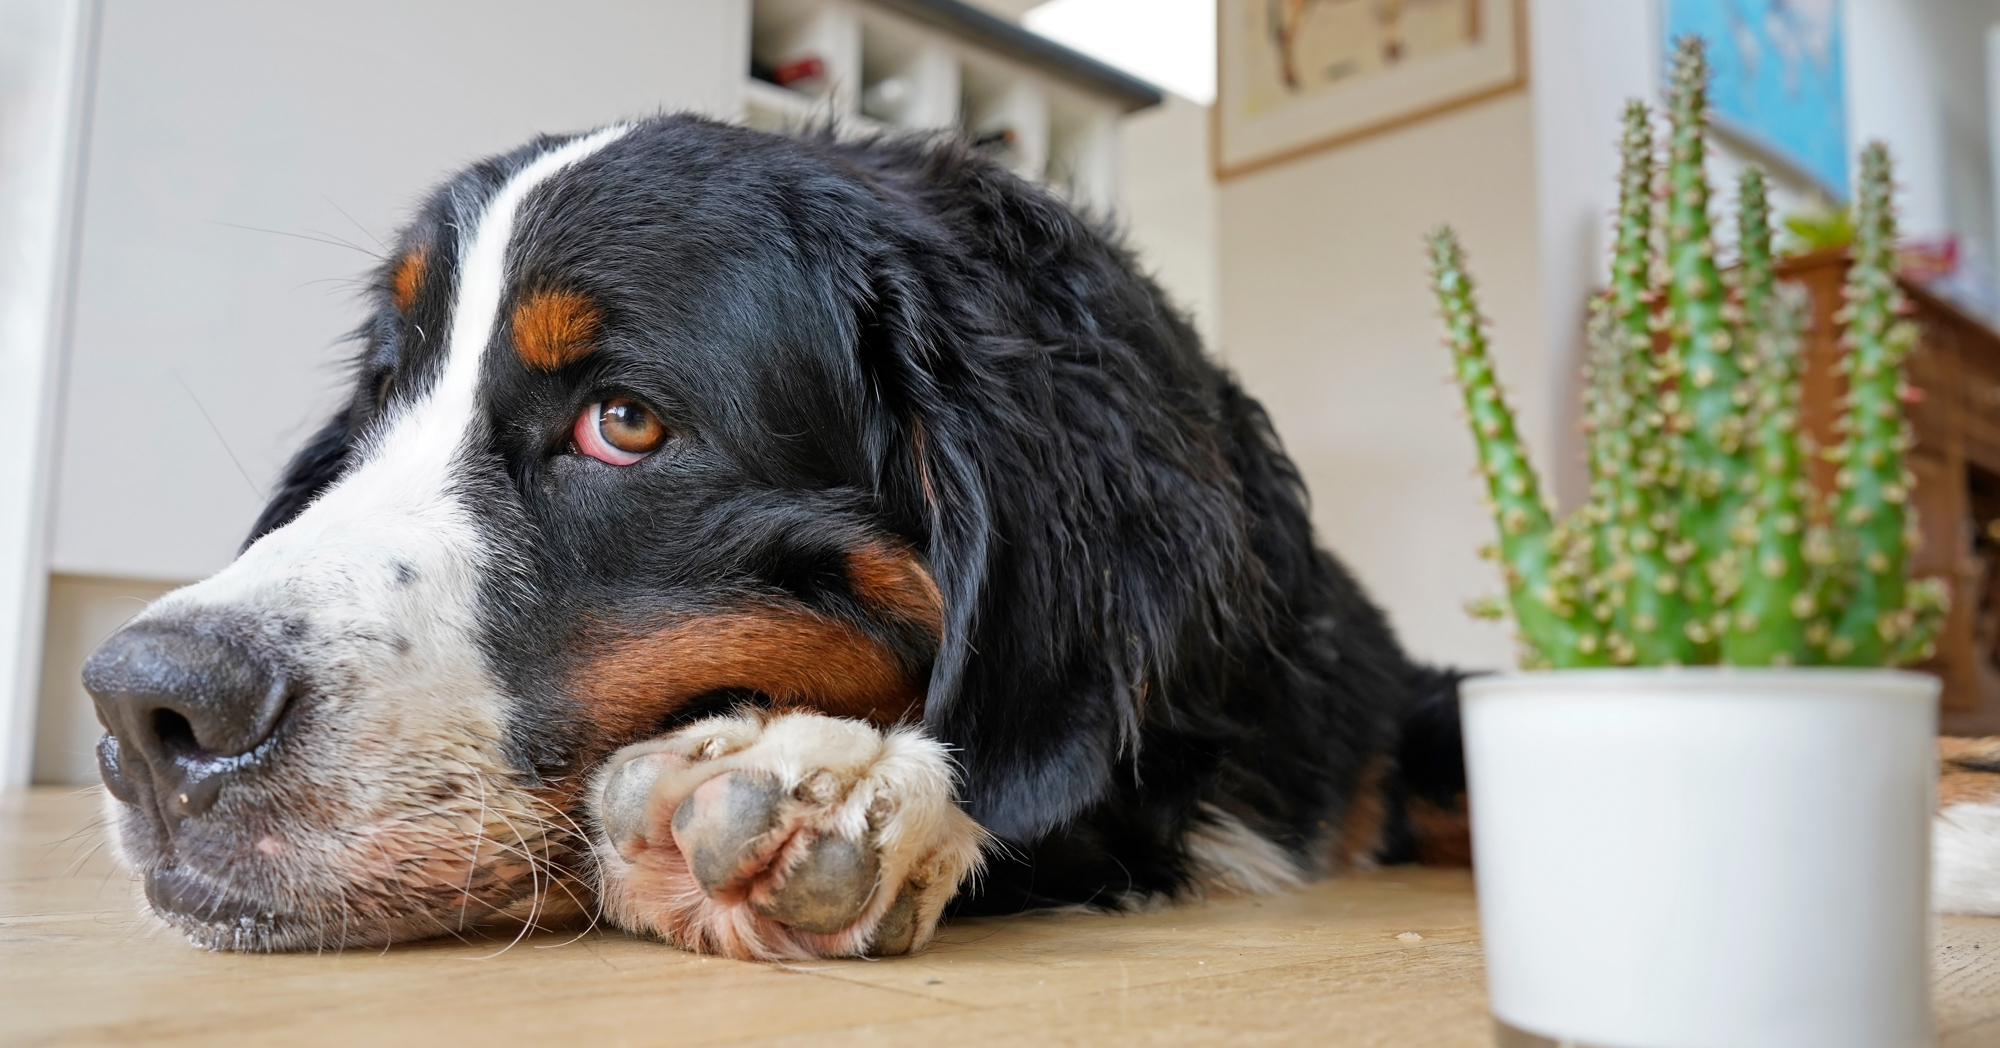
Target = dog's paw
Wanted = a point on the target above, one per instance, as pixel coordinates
(783, 836)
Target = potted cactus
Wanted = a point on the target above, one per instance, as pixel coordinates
(1701, 812)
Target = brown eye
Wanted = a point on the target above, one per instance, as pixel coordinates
(628, 426)
(620, 431)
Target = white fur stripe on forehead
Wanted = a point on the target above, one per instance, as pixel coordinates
(434, 426)
(482, 274)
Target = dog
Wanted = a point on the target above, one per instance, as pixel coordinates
(749, 538)
(768, 544)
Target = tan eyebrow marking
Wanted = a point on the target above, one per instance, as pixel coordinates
(408, 278)
(555, 328)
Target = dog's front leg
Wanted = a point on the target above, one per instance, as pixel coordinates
(792, 835)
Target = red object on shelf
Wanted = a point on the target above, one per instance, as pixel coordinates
(799, 70)
(1927, 259)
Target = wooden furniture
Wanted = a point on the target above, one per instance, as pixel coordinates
(1957, 465)
(1390, 958)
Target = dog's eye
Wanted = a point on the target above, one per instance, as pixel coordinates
(620, 431)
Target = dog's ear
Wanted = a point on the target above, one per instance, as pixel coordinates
(314, 467)
(1079, 526)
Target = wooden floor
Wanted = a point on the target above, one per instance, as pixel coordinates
(1390, 959)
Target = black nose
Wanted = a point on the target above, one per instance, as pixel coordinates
(187, 708)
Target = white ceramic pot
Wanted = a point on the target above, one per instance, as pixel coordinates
(1704, 858)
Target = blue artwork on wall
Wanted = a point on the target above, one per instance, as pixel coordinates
(1777, 77)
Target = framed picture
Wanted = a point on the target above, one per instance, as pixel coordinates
(1295, 76)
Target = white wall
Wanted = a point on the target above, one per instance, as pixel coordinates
(41, 50)
(1960, 63)
(1917, 78)
(1588, 58)
(200, 345)
(1892, 95)
(1167, 206)
(1327, 315)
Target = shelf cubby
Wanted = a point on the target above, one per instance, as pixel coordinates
(1007, 114)
(869, 66)
(807, 47)
(907, 79)
(1083, 151)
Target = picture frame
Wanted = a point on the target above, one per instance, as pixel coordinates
(1294, 77)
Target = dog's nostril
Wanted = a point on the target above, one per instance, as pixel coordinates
(187, 708)
(176, 736)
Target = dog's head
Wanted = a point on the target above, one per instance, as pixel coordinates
(649, 420)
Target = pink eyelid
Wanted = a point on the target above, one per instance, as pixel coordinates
(590, 439)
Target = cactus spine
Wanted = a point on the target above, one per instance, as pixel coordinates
(1698, 543)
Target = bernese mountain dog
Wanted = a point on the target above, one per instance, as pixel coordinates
(768, 544)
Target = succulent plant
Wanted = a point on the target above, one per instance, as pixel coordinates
(1703, 540)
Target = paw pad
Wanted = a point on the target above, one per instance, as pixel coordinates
(826, 890)
(622, 809)
(898, 930)
(724, 825)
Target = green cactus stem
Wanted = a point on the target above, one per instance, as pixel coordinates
(1926, 601)
(1650, 609)
(1872, 500)
(1755, 280)
(1778, 600)
(1608, 412)
(1608, 418)
(1776, 604)
(1555, 626)
(1711, 418)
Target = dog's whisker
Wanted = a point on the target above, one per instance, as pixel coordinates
(535, 891)
(76, 864)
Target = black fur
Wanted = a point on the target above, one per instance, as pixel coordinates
(306, 475)
(902, 339)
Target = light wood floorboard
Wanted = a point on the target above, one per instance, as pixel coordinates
(1333, 964)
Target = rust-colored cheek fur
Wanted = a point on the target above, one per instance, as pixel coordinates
(555, 328)
(407, 279)
(797, 657)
